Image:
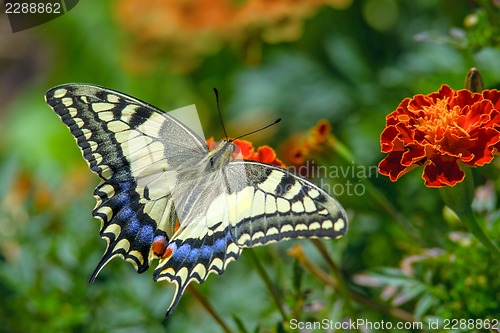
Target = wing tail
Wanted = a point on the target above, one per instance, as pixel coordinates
(192, 255)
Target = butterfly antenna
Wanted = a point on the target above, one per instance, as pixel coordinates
(218, 109)
(260, 129)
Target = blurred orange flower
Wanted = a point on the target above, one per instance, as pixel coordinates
(440, 130)
(303, 146)
(264, 154)
(184, 30)
(320, 133)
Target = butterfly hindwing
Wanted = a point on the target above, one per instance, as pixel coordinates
(133, 147)
(259, 204)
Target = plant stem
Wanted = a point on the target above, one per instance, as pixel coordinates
(267, 281)
(468, 218)
(342, 284)
(193, 290)
(459, 199)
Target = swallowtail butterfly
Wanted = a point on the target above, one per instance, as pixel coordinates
(157, 172)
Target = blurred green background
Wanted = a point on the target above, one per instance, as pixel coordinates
(405, 257)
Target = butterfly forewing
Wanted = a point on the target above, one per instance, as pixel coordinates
(155, 171)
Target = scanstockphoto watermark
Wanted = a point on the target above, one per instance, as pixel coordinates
(428, 324)
(338, 180)
(328, 325)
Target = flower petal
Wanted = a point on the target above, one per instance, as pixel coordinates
(442, 171)
(246, 148)
(493, 96)
(414, 155)
(391, 166)
(266, 154)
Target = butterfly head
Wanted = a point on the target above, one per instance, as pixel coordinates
(233, 149)
(223, 152)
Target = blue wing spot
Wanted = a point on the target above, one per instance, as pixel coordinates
(218, 247)
(145, 234)
(126, 213)
(193, 255)
(182, 252)
(122, 198)
(206, 252)
(125, 186)
(220, 244)
(133, 226)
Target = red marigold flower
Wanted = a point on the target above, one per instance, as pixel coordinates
(440, 130)
(264, 154)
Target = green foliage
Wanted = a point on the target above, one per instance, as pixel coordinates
(404, 251)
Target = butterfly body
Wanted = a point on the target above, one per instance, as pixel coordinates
(164, 195)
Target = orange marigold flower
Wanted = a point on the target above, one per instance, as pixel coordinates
(440, 130)
(321, 132)
(293, 150)
(264, 154)
(303, 146)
